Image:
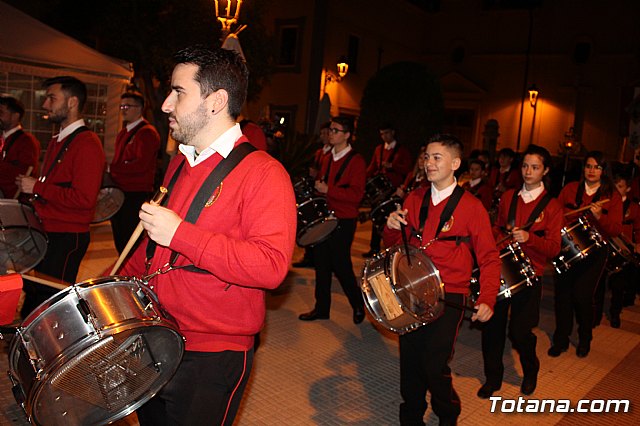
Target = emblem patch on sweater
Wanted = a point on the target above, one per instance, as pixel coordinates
(540, 218)
(447, 225)
(214, 196)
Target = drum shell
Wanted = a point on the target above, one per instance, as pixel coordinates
(110, 199)
(315, 222)
(23, 241)
(303, 189)
(579, 239)
(53, 337)
(377, 189)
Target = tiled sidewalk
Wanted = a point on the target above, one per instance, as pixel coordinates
(336, 373)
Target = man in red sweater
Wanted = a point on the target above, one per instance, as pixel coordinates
(425, 352)
(240, 245)
(19, 150)
(393, 161)
(341, 179)
(67, 189)
(133, 167)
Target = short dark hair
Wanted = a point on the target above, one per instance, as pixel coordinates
(448, 140)
(508, 152)
(325, 125)
(345, 122)
(13, 105)
(386, 126)
(71, 86)
(540, 151)
(476, 161)
(136, 96)
(622, 176)
(218, 68)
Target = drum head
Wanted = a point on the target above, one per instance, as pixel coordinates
(110, 199)
(317, 231)
(23, 242)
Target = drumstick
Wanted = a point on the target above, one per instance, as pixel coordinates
(599, 203)
(405, 242)
(510, 233)
(459, 306)
(156, 200)
(48, 283)
(28, 173)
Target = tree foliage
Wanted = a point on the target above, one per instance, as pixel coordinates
(407, 95)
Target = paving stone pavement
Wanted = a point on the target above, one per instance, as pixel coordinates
(336, 373)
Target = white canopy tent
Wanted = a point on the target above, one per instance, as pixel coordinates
(30, 51)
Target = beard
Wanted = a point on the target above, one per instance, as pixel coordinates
(58, 116)
(189, 125)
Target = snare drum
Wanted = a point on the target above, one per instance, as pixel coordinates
(381, 212)
(578, 241)
(516, 274)
(23, 242)
(621, 253)
(110, 200)
(315, 222)
(378, 189)
(93, 353)
(402, 297)
(303, 189)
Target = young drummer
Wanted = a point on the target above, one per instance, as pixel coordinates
(574, 288)
(477, 184)
(534, 220)
(461, 224)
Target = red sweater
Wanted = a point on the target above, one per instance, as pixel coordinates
(483, 191)
(400, 166)
(133, 167)
(455, 261)
(511, 179)
(24, 152)
(344, 196)
(611, 220)
(67, 198)
(631, 221)
(245, 240)
(544, 235)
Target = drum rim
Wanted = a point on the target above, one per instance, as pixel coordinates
(316, 222)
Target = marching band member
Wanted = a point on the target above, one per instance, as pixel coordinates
(574, 289)
(477, 183)
(343, 184)
(505, 176)
(416, 178)
(462, 225)
(534, 221)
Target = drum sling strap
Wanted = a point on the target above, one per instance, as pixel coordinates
(446, 214)
(9, 143)
(511, 219)
(391, 157)
(341, 170)
(213, 181)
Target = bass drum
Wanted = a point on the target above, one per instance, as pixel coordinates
(110, 200)
(402, 292)
(93, 353)
(23, 242)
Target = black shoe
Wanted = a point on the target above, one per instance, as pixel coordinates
(304, 263)
(369, 254)
(529, 384)
(582, 351)
(487, 390)
(555, 351)
(358, 315)
(448, 422)
(312, 316)
(614, 321)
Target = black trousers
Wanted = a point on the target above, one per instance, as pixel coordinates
(124, 222)
(619, 283)
(333, 256)
(574, 293)
(65, 251)
(376, 240)
(525, 315)
(206, 390)
(424, 366)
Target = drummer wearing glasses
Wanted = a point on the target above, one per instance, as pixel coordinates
(574, 289)
(533, 220)
(461, 225)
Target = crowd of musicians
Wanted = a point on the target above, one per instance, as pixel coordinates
(467, 215)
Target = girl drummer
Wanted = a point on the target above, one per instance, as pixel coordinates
(534, 220)
(574, 288)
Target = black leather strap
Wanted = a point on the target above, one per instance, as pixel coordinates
(451, 205)
(64, 148)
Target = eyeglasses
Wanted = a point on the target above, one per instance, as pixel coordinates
(126, 107)
(335, 130)
(592, 167)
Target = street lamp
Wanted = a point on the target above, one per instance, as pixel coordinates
(533, 95)
(343, 68)
(228, 15)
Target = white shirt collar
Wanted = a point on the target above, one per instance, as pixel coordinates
(391, 145)
(438, 196)
(70, 129)
(505, 170)
(341, 154)
(326, 148)
(130, 126)
(591, 190)
(223, 145)
(8, 133)
(474, 182)
(529, 196)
